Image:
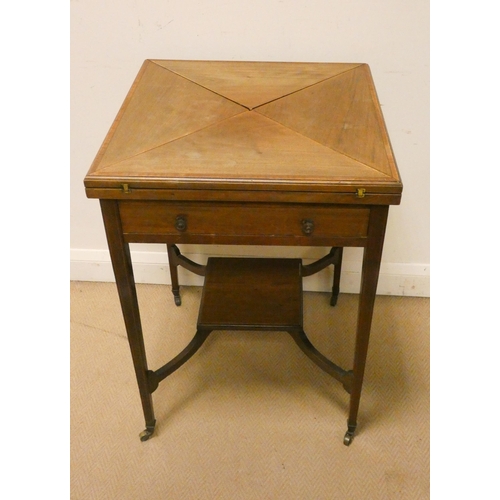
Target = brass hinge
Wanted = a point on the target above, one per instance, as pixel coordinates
(360, 192)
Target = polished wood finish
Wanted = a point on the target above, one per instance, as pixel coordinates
(155, 377)
(346, 119)
(251, 294)
(251, 153)
(336, 277)
(164, 108)
(253, 84)
(369, 280)
(317, 128)
(262, 294)
(212, 222)
(334, 257)
(124, 275)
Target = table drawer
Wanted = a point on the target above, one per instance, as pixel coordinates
(207, 222)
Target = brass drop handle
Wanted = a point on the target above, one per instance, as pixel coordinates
(180, 223)
(307, 226)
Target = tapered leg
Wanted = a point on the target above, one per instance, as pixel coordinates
(173, 254)
(122, 267)
(369, 279)
(336, 278)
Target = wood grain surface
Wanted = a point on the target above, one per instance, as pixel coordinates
(211, 125)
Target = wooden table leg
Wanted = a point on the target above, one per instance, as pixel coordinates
(173, 253)
(175, 259)
(124, 275)
(336, 278)
(369, 279)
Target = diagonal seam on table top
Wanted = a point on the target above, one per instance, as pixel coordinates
(251, 108)
(213, 125)
(237, 116)
(102, 169)
(245, 110)
(153, 61)
(255, 108)
(325, 146)
(135, 130)
(287, 116)
(387, 169)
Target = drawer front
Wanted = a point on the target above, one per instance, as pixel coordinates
(199, 222)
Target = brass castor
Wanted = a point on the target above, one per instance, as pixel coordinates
(147, 433)
(349, 435)
(177, 300)
(348, 438)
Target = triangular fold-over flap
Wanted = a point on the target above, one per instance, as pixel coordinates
(342, 114)
(252, 84)
(248, 146)
(163, 108)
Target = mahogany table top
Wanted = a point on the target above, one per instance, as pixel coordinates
(212, 126)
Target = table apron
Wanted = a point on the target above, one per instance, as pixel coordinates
(245, 224)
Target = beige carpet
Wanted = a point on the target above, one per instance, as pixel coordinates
(249, 416)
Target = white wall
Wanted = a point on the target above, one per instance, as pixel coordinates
(109, 41)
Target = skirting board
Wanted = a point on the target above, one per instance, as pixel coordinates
(152, 267)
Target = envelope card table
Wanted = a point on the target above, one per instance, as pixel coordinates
(247, 153)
